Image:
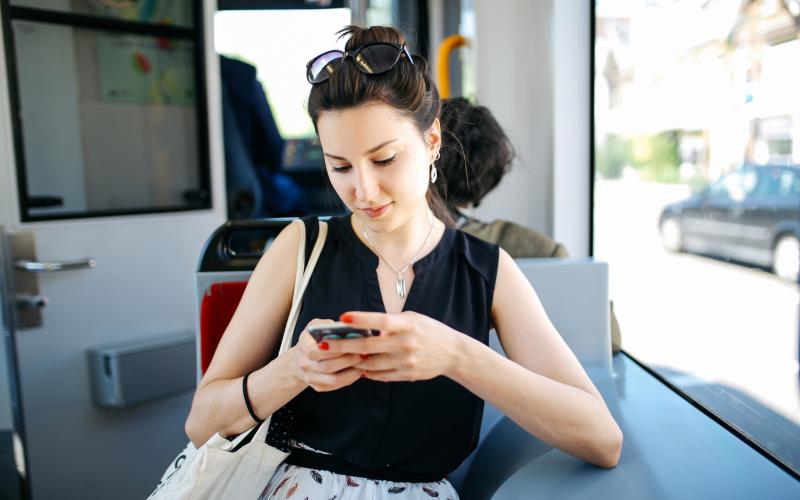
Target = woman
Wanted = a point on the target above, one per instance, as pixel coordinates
(393, 414)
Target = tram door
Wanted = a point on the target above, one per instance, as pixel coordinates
(105, 201)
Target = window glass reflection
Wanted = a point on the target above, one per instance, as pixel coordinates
(697, 201)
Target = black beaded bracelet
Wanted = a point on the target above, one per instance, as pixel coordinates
(247, 400)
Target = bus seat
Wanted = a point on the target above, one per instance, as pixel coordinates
(216, 310)
(226, 262)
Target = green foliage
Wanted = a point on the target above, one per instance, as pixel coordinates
(612, 156)
(655, 157)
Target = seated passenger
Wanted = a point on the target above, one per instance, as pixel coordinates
(254, 149)
(390, 416)
(476, 154)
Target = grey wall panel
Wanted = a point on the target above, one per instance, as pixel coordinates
(515, 68)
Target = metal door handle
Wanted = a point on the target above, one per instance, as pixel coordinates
(28, 301)
(49, 267)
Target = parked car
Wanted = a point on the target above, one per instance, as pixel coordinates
(750, 215)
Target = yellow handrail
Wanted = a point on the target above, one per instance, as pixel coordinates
(442, 68)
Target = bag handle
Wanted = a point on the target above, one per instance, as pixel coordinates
(302, 277)
(301, 280)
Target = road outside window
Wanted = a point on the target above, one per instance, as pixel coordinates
(697, 201)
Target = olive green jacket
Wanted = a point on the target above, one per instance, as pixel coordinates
(524, 242)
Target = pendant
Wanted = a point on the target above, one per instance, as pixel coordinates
(401, 286)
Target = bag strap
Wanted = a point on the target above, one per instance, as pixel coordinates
(302, 277)
(301, 258)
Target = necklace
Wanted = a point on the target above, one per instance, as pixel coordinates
(400, 285)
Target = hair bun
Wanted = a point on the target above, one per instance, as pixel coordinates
(375, 34)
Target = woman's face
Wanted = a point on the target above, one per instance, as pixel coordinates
(378, 162)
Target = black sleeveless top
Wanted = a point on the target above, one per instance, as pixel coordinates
(427, 427)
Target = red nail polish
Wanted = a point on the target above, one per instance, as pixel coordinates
(324, 346)
(346, 318)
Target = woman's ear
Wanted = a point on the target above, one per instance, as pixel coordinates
(433, 138)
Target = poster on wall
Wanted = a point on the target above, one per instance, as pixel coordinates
(145, 70)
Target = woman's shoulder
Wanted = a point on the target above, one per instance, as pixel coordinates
(467, 241)
(312, 222)
(480, 254)
(333, 221)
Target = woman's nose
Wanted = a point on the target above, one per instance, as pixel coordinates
(366, 185)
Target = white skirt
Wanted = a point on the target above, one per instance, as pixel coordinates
(291, 481)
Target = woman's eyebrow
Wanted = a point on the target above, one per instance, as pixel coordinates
(371, 150)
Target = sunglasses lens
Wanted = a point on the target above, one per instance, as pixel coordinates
(323, 65)
(377, 58)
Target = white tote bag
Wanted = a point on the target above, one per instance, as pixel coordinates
(237, 469)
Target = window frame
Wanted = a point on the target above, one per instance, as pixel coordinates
(194, 34)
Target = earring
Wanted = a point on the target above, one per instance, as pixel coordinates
(434, 173)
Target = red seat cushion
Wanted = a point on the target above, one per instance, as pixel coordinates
(216, 310)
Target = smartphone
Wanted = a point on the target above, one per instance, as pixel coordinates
(337, 331)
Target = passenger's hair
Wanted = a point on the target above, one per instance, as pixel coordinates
(406, 88)
(476, 152)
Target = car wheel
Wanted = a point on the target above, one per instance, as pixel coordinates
(786, 257)
(672, 235)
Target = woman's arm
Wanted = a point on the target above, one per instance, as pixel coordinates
(541, 386)
(251, 337)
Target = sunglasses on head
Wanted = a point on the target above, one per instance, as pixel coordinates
(370, 59)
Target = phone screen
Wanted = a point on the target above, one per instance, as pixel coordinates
(339, 331)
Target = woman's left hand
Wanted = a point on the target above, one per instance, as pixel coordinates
(411, 346)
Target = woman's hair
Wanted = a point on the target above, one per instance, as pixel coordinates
(476, 153)
(407, 88)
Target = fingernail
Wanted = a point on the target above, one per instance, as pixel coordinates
(324, 346)
(346, 318)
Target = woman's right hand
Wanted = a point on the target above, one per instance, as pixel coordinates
(320, 370)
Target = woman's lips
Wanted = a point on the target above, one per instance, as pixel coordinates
(378, 211)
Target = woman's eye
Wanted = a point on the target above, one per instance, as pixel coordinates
(386, 161)
(342, 169)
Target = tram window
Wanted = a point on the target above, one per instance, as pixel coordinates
(109, 114)
(695, 172)
(268, 40)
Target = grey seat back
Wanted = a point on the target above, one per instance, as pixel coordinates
(574, 293)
